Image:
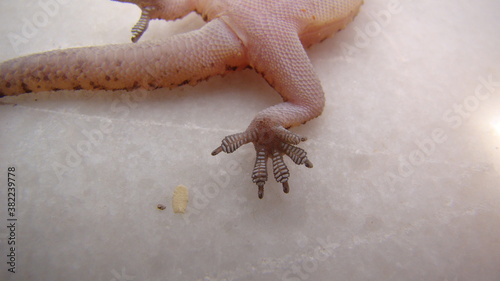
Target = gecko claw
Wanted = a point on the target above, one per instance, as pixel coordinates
(286, 188)
(261, 190)
(259, 175)
(269, 143)
(217, 151)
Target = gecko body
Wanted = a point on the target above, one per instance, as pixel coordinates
(268, 36)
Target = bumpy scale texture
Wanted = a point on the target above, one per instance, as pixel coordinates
(268, 36)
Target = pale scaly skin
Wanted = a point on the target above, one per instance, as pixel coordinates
(268, 36)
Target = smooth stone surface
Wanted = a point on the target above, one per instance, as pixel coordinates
(406, 177)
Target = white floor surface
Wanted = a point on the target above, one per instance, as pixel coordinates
(406, 177)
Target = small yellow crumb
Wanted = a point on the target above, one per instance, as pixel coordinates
(161, 207)
(180, 199)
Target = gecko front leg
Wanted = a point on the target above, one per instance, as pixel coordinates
(288, 69)
(270, 142)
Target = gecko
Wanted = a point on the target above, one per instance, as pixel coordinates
(268, 36)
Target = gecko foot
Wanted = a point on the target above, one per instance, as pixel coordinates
(269, 143)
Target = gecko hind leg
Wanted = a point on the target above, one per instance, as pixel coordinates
(269, 143)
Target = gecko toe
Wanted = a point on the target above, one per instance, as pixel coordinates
(272, 143)
(232, 142)
(288, 137)
(259, 174)
(143, 23)
(297, 154)
(280, 170)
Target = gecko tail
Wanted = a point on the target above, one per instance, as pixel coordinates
(182, 59)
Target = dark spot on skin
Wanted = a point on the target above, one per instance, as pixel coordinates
(64, 77)
(25, 88)
(1, 95)
(184, 83)
(202, 79)
(107, 78)
(115, 79)
(91, 83)
(205, 17)
(7, 85)
(45, 78)
(212, 64)
(136, 85)
(38, 87)
(231, 68)
(77, 69)
(77, 87)
(56, 89)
